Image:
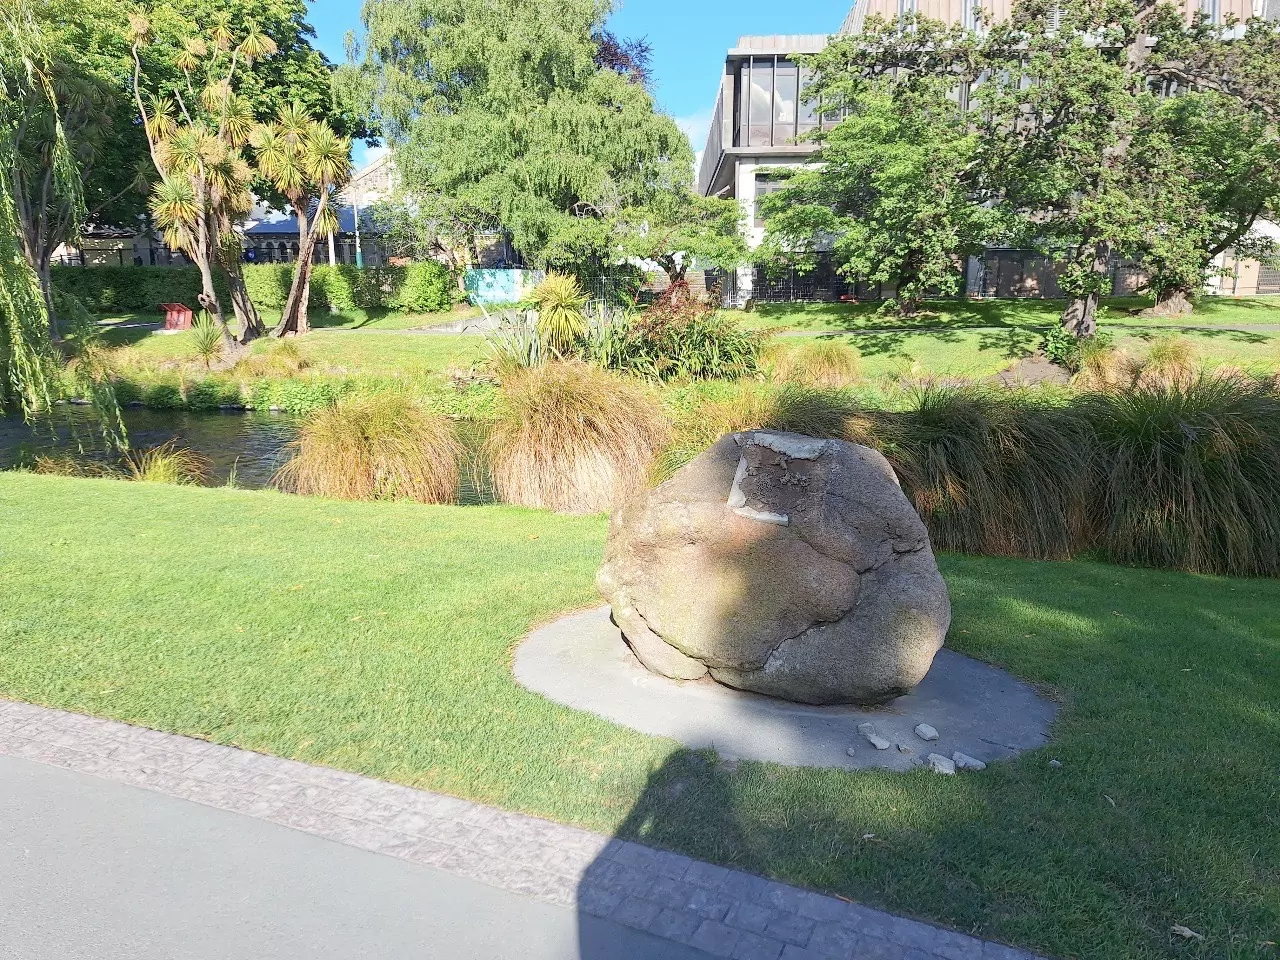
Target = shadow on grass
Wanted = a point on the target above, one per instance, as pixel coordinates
(1161, 813)
(1148, 334)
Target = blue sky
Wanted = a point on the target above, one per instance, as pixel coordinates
(689, 39)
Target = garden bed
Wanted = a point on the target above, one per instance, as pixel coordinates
(378, 637)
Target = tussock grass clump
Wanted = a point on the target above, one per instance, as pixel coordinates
(380, 447)
(1188, 472)
(824, 364)
(571, 437)
(791, 407)
(167, 463)
(282, 358)
(65, 465)
(990, 471)
(1170, 359)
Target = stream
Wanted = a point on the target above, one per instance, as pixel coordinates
(245, 445)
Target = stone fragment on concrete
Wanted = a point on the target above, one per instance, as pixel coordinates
(940, 764)
(926, 732)
(784, 565)
(852, 752)
(965, 762)
(868, 730)
(903, 748)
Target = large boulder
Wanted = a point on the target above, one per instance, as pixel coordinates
(781, 564)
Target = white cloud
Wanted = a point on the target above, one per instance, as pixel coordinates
(695, 126)
(362, 156)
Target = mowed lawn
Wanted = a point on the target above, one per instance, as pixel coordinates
(375, 352)
(970, 314)
(378, 638)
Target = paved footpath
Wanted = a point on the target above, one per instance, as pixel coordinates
(505, 872)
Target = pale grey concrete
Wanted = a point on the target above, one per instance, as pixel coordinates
(95, 870)
(683, 902)
(582, 661)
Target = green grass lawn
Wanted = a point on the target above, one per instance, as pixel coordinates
(341, 351)
(378, 638)
(984, 352)
(320, 320)
(1039, 314)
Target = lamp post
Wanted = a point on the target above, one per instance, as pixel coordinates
(355, 208)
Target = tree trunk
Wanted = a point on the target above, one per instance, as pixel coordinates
(208, 299)
(1170, 302)
(294, 320)
(1080, 319)
(45, 272)
(251, 326)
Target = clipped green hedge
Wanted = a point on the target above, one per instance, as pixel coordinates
(132, 289)
(416, 288)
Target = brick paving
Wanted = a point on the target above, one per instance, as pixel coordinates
(724, 912)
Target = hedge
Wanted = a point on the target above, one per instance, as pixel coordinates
(416, 288)
(132, 289)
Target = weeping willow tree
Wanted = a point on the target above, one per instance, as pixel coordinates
(196, 131)
(309, 163)
(31, 360)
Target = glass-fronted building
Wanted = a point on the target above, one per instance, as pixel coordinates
(761, 114)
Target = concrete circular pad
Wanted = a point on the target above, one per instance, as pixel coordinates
(582, 662)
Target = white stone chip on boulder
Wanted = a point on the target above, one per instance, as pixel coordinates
(926, 732)
(965, 762)
(940, 764)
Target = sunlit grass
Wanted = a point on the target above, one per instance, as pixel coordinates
(378, 637)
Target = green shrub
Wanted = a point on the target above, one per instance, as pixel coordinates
(296, 394)
(212, 393)
(384, 447)
(1069, 351)
(164, 396)
(693, 345)
(268, 283)
(426, 287)
(131, 289)
(417, 288)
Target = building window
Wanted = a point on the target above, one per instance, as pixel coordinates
(1210, 10)
(765, 185)
(786, 82)
(807, 110)
(760, 104)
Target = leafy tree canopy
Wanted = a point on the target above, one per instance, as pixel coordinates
(508, 108)
(1080, 139)
(898, 197)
